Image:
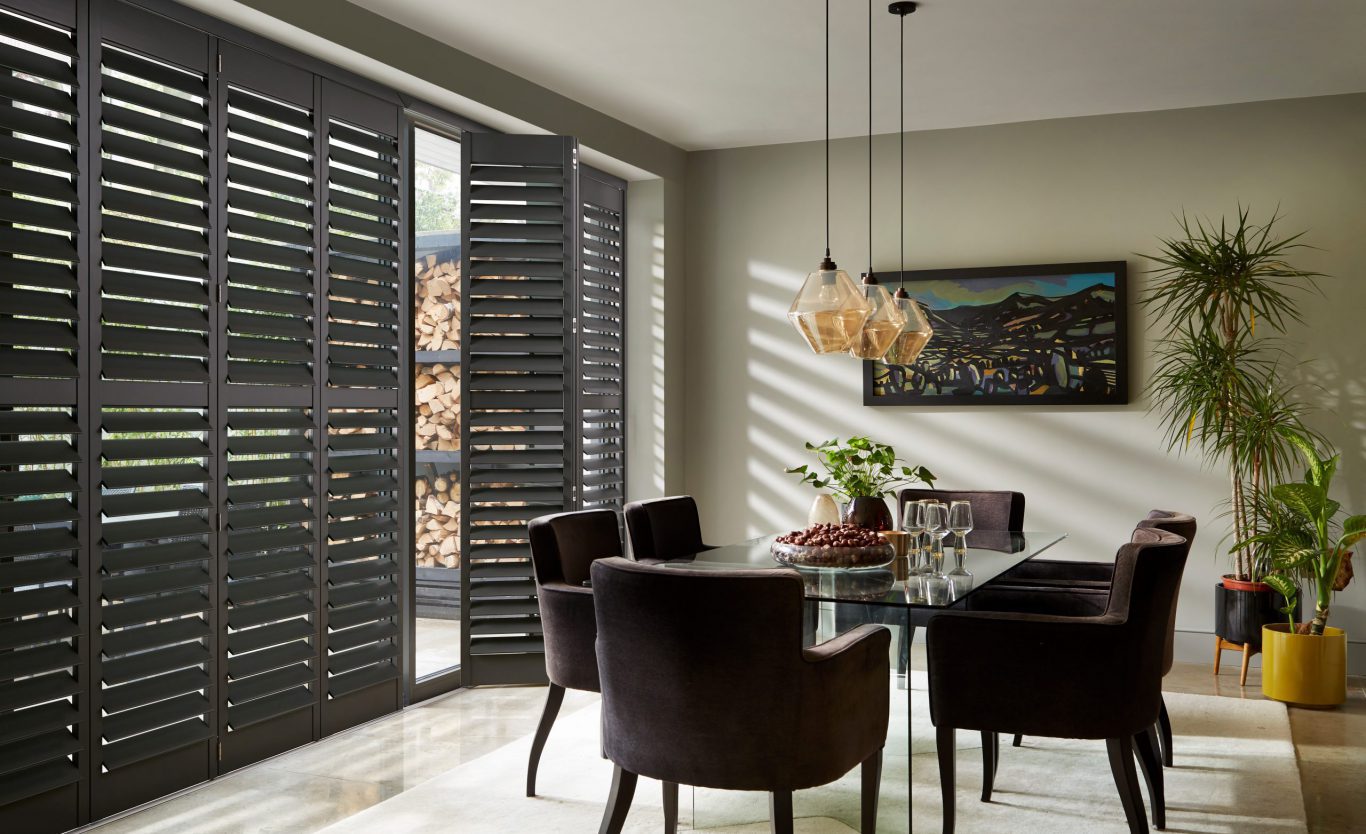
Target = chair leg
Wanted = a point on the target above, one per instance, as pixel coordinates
(871, 782)
(1149, 759)
(1247, 655)
(943, 742)
(989, 759)
(670, 808)
(1018, 738)
(1164, 727)
(618, 801)
(1121, 752)
(553, 698)
(780, 811)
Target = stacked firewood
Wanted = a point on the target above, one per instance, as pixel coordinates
(437, 389)
(438, 304)
(438, 522)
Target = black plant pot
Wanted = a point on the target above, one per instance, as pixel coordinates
(1239, 615)
(869, 512)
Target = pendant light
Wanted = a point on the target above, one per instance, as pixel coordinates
(884, 320)
(915, 331)
(829, 310)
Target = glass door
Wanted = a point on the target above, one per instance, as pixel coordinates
(436, 340)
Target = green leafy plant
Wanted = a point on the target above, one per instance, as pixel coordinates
(1216, 385)
(860, 468)
(1305, 542)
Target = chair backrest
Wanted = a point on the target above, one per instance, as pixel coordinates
(1142, 596)
(701, 672)
(991, 509)
(664, 528)
(1184, 526)
(563, 546)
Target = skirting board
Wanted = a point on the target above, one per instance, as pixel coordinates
(1198, 647)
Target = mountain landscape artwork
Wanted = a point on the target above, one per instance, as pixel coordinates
(1050, 334)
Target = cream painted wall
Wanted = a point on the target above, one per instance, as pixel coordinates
(1084, 189)
(654, 339)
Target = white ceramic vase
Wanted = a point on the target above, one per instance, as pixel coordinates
(824, 510)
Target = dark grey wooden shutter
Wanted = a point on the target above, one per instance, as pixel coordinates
(154, 487)
(268, 219)
(42, 676)
(518, 258)
(365, 425)
(601, 341)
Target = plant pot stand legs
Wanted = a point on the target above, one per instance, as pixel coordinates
(1221, 645)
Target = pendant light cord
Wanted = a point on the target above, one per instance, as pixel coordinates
(901, 140)
(827, 129)
(870, 137)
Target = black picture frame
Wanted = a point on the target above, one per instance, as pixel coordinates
(877, 377)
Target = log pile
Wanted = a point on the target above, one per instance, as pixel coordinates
(438, 522)
(438, 304)
(437, 389)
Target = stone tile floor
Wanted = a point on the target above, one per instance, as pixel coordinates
(308, 789)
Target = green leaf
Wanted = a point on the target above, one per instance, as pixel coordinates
(1308, 500)
(1353, 531)
(1284, 586)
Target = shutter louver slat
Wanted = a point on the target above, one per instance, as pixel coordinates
(362, 258)
(270, 252)
(362, 535)
(154, 599)
(271, 517)
(154, 275)
(601, 359)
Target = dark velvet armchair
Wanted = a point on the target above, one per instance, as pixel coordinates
(1088, 677)
(562, 548)
(1084, 598)
(664, 528)
(705, 683)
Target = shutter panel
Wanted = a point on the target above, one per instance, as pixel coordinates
(518, 258)
(601, 341)
(270, 645)
(364, 466)
(42, 676)
(155, 443)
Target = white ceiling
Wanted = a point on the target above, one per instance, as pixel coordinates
(728, 73)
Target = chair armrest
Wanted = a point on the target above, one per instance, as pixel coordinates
(845, 695)
(569, 629)
(1068, 677)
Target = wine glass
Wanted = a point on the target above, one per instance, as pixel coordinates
(960, 522)
(937, 525)
(913, 523)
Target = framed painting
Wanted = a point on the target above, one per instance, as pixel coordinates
(1044, 334)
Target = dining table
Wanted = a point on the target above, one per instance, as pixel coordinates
(842, 598)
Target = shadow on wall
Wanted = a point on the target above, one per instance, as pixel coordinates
(817, 397)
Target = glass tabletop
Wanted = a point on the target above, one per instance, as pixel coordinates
(990, 553)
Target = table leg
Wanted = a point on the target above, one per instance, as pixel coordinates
(908, 631)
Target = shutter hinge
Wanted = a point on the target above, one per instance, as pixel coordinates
(220, 294)
(220, 744)
(220, 523)
(220, 69)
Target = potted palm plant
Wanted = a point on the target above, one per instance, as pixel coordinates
(862, 472)
(1305, 543)
(1222, 297)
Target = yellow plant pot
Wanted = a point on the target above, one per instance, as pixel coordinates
(1302, 668)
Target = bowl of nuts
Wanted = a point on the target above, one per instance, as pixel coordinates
(843, 546)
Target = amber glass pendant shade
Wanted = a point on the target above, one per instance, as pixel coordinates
(915, 331)
(882, 326)
(829, 310)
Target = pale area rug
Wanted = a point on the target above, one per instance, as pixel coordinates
(1235, 772)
